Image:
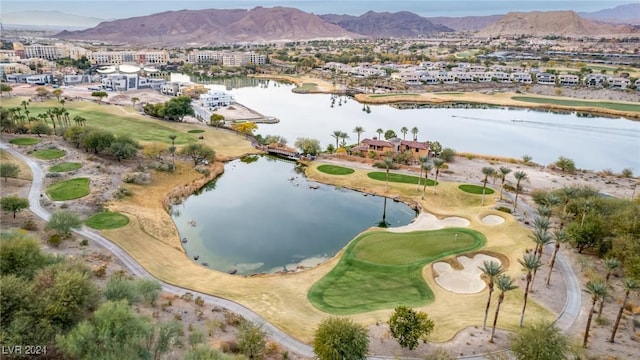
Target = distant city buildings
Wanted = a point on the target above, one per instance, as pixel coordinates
(225, 58)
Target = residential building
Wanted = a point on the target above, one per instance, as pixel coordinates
(568, 80)
(521, 77)
(546, 78)
(394, 145)
(618, 83)
(596, 80)
(128, 57)
(48, 52)
(213, 99)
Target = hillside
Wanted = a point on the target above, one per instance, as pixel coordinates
(562, 23)
(48, 19)
(385, 24)
(465, 22)
(210, 26)
(623, 14)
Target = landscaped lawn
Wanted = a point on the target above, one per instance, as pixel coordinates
(399, 178)
(195, 131)
(24, 141)
(107, 220)
(65, 166)
(69, 189)
(380, 270)
(48, 154)
(335, 170)
(475, 189)
(600, 104)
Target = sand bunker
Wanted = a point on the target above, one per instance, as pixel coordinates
(428, 221)
(493, 219)
(465, 281)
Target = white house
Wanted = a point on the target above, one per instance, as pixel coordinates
(596, 80)
(215, 98)
(568, 80)
(521, 77)
(616, 83)
(546, 78)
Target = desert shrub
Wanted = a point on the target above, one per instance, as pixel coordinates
(187, 297)
(372, 155)
(121, 193)
(84, 242)
(509, 188)
(203, 169)
(100, 271)
(448, 154)
(139, 178)
(55, 240)
(119, 288)
(199, 301)
(272, 348)
(381, 165)
(233, 319)
(504, 209)
(626, 173)
(30, 225)
(149, 290)
(53, 175)
(229, 347)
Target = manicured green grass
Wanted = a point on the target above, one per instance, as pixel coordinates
(24, 141)
(107, 220)
(475, 189)
(195, 131)
(399, 178)
(48, 154)
(335, 170)
(600, 104)
(69, 189)
(449, 93)
(389, 95)
(381, 270)
(65, 166)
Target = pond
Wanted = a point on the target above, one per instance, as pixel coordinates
(263, 215)
(594, 143)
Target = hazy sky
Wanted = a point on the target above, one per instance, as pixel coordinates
(110, 9)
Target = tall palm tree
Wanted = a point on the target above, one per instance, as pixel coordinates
(530, 263)
(427, 168)
(629, 286)
(336, 135)
(173, 137)
(520, 176)
(437, 164)
(404, 132)
(388, 163)
(380, 131)
(567, 193)
(421, 160)
(490, 270)
(597, 290)
(358, 130)
(559, 237)
(344, 136)
(542, 238)
(611, 264)
(504, 283)
(545, 212)
(134, 100)
(487, 171)
(414, 132)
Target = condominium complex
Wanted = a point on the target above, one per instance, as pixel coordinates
(226, 58)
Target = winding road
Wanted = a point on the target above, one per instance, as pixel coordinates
(566, 319)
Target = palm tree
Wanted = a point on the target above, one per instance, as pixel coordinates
(530, 263)
(414, 132)
(427, 168)
(404, 132)
(421, 160)
(487, 171)
(610, 264)
(358, 130)
(541, 238)
(134, 100)
(380, 131)
(597, 290)
(437, 163)
(173, 139)
(344, 136)
(520, 176)
(541, 223)
(336, 135)
(504, 284)
(490, 270)
(545, 212)
(24, 103)
(559, 238)
(629, 285)
(388, 163)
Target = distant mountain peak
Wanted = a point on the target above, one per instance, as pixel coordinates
(386, 24)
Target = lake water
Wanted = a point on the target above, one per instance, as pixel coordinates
(594, 143)
(262, 216)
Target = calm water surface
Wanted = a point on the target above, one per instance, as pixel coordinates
(263, 217)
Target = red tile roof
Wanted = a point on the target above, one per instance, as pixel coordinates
(415, 144)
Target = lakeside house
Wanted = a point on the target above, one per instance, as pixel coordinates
(214, 98)
(394, 145)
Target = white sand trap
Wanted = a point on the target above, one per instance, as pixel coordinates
(465, 281)
(493, 219)
(428, 221)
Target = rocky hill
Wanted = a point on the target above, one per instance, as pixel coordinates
(622, 14)
(562, 23)
(210, 26)
(385, 24)
(465, 22)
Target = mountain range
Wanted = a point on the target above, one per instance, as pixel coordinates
(260, 24)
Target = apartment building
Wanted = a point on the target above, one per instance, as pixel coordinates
(160, 57)
(48, 52)
(568, 80)
(618, 83)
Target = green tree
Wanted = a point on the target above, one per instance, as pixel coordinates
(123, 149)
(40, 128)
(63, 222)
(20, 255)
(308, 146)
(390, 134)
(435, 147)
(629, 285)
(9, 170)
(15, 297)
(100, 95)
(530, 263)
(5, 88)
(490, 271)
(120, 288)
(611, 264)
(14, 204)
(409, 326)
(379, 131)
(149, 290)
(566, 165)
(216, 120)
(520, 177)
(134, 100)
(57, 93)
(177, 108)
(504, 171)
(199, 153)
(414, 132)
(540, 340)
(504, 283)
(448, 155)
(358, 130)
(336, 135)
(340, 339)
(75, 135)
(486, 171)
(597, 290)
(437, 164)
(404, 130)
(163, 337)
(98, 140)
(251, 340)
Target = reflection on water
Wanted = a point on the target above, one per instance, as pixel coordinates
(262, 215)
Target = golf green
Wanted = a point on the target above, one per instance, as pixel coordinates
(335, 170)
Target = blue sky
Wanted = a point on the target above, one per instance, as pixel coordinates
(110, 9)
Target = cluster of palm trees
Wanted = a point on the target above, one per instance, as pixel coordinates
(59, 117)
(493, 273)
(502, 173)
(340, 135)
(427, 164)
